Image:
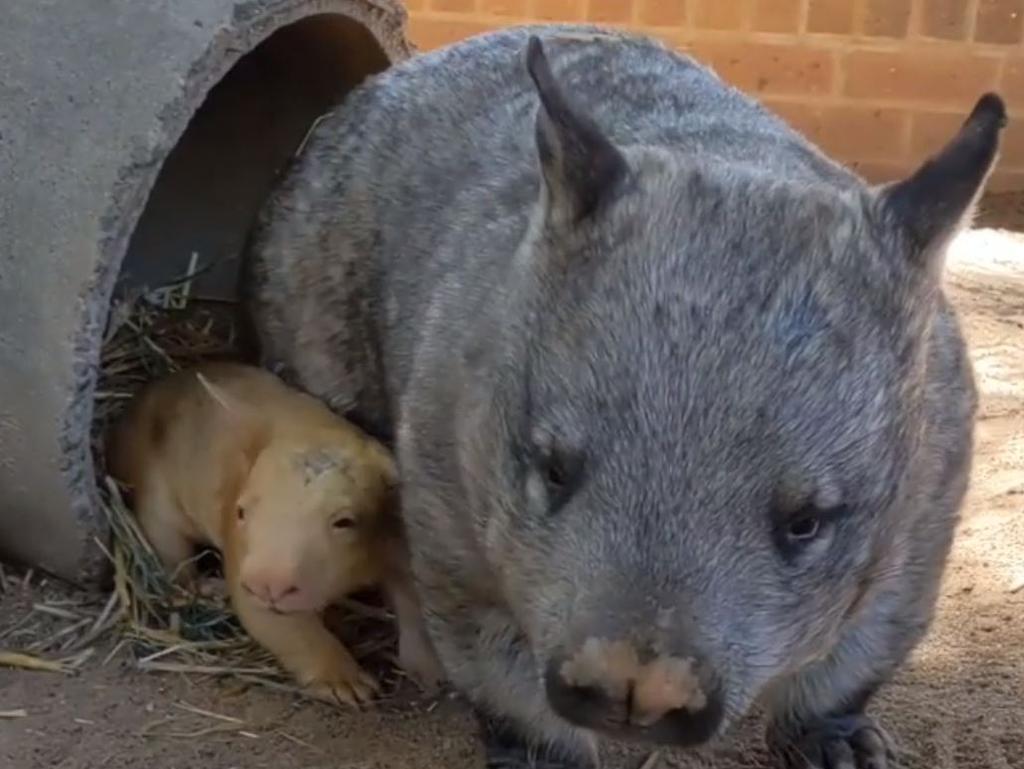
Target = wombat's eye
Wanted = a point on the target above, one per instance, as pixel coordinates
(554, 474)
(561, 474)
(803, 528)
(343, 523)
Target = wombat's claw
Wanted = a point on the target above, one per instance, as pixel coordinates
(507, 750)
(849, 742)
(420, 665)
(521, 760)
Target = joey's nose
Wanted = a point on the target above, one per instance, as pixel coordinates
(272, 589)
(607, 687)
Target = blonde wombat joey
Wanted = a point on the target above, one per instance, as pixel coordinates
(300, 503)
(683, 416)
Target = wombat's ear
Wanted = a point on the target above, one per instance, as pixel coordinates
(939, 198)
(581, 166)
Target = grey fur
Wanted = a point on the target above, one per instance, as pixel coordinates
(740, 328)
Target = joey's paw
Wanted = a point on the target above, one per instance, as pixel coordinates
(849, 742)
(212, 588)
(350, 686)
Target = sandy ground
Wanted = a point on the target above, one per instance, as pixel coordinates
(960, 703)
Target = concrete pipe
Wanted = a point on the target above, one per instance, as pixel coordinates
(131, 132)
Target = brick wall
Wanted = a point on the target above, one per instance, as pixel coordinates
(879, 84)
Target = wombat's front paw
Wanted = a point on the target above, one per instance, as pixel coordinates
(848, 742)
(417, 658)
(344, 685)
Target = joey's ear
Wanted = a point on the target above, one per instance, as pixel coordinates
(939, 198)
(386, 487)
(581, 167)
(380, 463)
(384, 463)
(241, 416)
(222, 397)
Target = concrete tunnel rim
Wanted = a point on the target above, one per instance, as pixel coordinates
(136, 180)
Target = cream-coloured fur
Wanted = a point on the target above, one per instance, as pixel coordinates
(300, 502)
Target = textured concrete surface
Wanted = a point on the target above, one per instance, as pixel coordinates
(94, 96)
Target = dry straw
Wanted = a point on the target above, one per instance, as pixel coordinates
(162, 626)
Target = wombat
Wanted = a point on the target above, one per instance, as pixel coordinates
(300, 503)
(682, 416)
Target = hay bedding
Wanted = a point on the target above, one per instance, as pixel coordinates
(159, 626)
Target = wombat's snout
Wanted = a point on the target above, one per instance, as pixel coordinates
(604, 686)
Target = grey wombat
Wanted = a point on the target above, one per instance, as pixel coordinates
(683, 418)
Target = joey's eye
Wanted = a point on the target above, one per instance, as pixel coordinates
(240, 512)
(343, 523)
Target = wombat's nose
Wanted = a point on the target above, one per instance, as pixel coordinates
(605, 687)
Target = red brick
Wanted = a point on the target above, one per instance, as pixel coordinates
(945, 19)
(1000, 21)
(668, 36)
(850, 132)
(864, 133)
(513, 8)
(662, 13)
(1011, 146)
(881, 172)
(415, 5)
(938, 77)
(781, 16)
(557, 10)
(886, 18)
(834, 17)
(931, 131)
(803, 117)
(454, 6)
(610, 11)
(1011, 86)
(769, 68)
(719, 14)
(427, 32)
(1006, 180)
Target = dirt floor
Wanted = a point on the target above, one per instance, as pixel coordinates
(960, 703)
